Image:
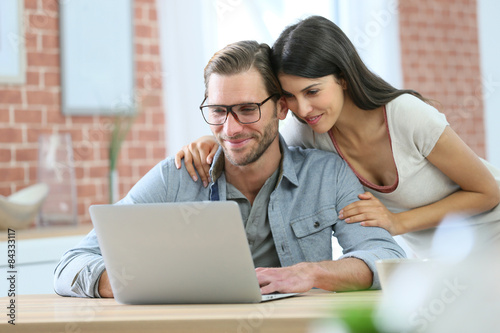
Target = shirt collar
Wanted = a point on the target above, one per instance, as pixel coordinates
(287, 166)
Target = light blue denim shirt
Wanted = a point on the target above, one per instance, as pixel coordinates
(312, 187)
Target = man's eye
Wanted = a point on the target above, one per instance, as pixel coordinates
(218, 110)
(248, 108)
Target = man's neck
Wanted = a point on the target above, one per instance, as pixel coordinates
(250, 178)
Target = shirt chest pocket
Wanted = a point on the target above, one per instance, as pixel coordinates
(314, 234)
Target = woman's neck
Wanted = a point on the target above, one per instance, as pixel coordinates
(358, 124)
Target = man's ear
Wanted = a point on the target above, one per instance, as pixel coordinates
(282, 108)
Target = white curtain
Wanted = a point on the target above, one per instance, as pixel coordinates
(489, 25)
(187, 34)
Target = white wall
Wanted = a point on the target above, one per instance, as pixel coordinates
(489, 27)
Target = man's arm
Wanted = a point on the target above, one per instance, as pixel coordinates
(82, 268)
(340, 275)
(104, 286)
(79, 269)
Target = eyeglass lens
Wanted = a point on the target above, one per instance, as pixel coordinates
(246, 113)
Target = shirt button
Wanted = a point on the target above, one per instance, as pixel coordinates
(316, 224)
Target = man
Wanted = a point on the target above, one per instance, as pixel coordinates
(289, 198)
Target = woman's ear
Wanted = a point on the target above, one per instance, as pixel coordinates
(282, 108)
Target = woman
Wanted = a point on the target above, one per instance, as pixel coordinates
(414, 167)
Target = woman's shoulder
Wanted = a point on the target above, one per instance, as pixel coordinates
(411, 110)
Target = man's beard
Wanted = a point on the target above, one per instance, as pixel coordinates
(270, 133)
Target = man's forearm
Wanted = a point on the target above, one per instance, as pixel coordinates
(342, 275)
(104, 285)
(339, 275)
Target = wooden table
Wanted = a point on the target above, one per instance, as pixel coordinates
(52, 313)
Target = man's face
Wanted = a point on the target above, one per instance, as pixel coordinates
(243, 143)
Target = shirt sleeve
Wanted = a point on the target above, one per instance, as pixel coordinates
(365, 243)
(80, 268)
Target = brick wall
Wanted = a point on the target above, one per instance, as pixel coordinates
(440, 59)
(28, 110)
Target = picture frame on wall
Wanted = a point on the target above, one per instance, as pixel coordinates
(97, 57)
(12, 46)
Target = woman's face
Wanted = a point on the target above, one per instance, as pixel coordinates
(317, 101)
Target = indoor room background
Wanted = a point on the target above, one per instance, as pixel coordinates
(445, 49)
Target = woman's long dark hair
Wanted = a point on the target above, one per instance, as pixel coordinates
(316, 47)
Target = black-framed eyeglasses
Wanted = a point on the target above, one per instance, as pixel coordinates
(244, 113)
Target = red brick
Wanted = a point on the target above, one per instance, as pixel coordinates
(154, 49)
(136, 153)
(27, 117)
(50, 6)
(144, 31)
(5, 155)
(152, 15)
(158, 118)
(86, 190)
(42, 98)
(52, 80)
(140, 48)
(82, 119)
(43, 59)
(32, 78)
(145, 66)
(31, 41)
(152, 100)
(26, 154)
(50, 42)
(10, 97)
(5, 190)
(79, 171)
(99, 172)
(125, 170)
(33, 134)
(55, 116)
(83, 152)
(11, 135)
(4, 116)
(12, 174)
(149, 135)
(159, 153)
(43, 21)
(33, 175)
(138, 13)
(31, 4)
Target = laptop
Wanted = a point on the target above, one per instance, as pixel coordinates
(177, 253)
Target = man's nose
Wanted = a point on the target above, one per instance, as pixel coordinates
(232, 126)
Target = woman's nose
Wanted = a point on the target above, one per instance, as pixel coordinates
(303, 108)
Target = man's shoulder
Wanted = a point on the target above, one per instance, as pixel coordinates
(300, 154)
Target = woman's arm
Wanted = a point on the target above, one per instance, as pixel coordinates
(479, 192)
(198, 156)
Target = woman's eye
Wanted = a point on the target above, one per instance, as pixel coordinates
(312, 92)
(287, 95)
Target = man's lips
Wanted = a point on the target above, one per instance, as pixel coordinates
(313, 120)
(237, 143)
